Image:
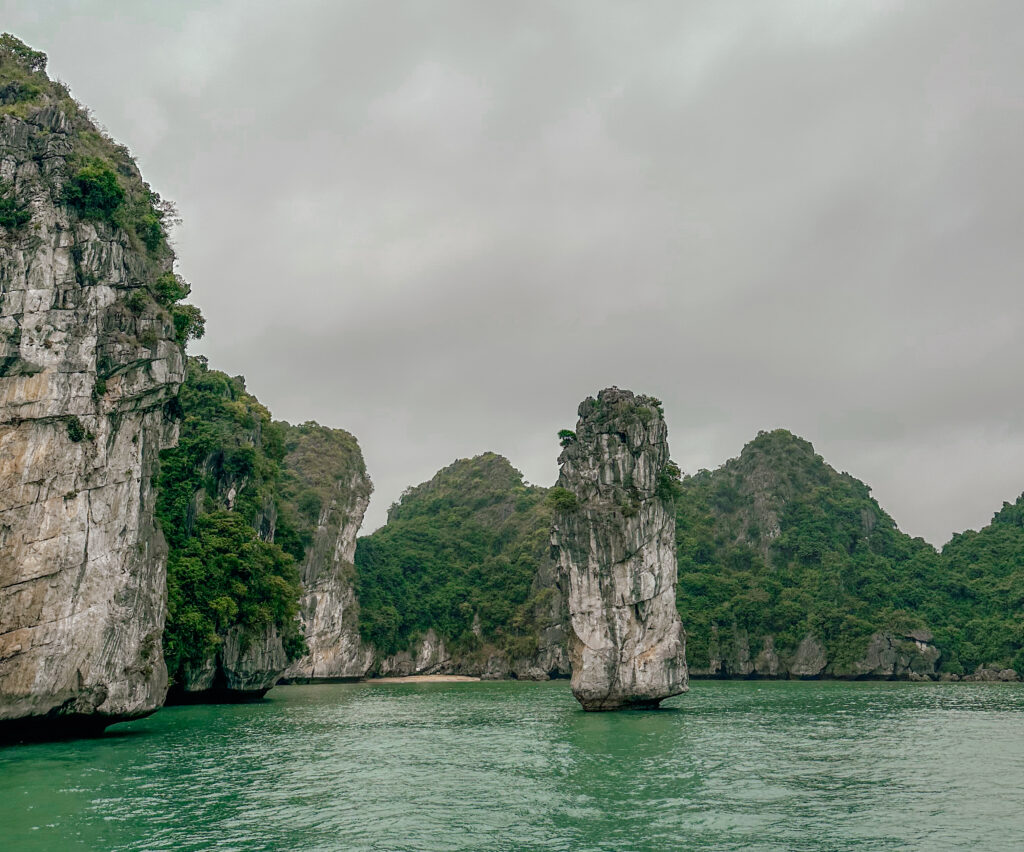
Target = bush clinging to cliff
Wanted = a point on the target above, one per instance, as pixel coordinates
(94, 191)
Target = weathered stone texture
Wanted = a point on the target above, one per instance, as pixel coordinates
(616, 553)
(83, 386)
(328, 610)
(886, 655)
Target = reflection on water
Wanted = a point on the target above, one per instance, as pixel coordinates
(739, 765)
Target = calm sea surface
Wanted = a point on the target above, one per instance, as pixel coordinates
(736, 765)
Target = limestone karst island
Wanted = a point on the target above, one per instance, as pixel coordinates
(426, 232)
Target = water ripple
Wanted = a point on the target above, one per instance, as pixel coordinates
(432, 767)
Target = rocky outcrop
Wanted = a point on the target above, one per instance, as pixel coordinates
(551, 623)
(428, 656)
(767, 662)
(887, 655)
(243, 669)
(431, 655)
(983, 674)
(291, 498)
(810, 660)
(88, 364)
(329, 461)
(909, 656)
(613, 534)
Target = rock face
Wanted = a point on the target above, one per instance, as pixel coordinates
(88, 363)
(243, 668)
(329, 611)
(910, 655)
(887, 655)
(613, 535)
(809, 660)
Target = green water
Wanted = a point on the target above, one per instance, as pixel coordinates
(736, 765)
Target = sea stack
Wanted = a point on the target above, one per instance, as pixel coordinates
(613, 536)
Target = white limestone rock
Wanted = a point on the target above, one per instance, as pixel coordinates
(614, 539)
(329, 611)
(84, 379)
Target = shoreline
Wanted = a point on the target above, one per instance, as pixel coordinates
(423, 679)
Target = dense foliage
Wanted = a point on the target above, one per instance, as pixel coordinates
(985, 570)
(218, 504)
(778, 543)
(13, 214)
(223, 576)
(94, 191)
(466, 545)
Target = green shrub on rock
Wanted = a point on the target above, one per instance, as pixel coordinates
(562, 500)
(76, 431)
(222, 576)
(94, 191)
(12, 214)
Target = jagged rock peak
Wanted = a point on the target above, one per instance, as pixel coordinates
(613, 535)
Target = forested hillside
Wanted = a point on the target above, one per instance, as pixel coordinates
(465, 554)
(787, 567)
(241, 499)
(778, 544)
(985, 623)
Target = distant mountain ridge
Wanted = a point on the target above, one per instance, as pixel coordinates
(460, 580)
(779, 551)
(787, 568)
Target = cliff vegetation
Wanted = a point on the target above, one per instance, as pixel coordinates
(219, 506)
(91, 335)
(984, 572)
(247, 504)
(96, 180)
(776, 543)
(459, 555)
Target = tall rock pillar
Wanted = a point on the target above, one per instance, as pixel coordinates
(613, 536)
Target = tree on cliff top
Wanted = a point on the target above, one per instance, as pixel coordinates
(465, 544)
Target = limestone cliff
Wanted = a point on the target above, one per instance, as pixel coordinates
(327, 464)
(614, 535)
(90, 361)
(261, 518)
(232, 591)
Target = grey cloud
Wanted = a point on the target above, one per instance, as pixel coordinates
(442, 225)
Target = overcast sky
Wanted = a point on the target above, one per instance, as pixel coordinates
(441, 225)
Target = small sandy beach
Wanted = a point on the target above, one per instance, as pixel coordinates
(424, 679)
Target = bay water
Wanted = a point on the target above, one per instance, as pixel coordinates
(740, 765)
